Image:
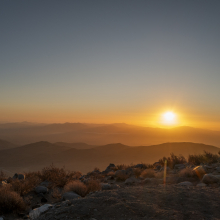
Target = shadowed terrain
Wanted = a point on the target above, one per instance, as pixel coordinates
(38, 155)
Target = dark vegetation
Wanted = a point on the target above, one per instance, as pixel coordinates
(12, 195)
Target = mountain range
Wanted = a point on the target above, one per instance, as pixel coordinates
(101, 134)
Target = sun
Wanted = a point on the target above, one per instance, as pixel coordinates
(169, 118)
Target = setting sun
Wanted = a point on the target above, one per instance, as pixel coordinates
(169, 118)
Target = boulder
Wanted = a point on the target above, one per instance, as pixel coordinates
(186, 183)
(131, 180)
(41, 189)
(200, 171)
(3, 183)
(45, 183)
(210, 178)
(201, 185)
(105, 186)
(140, 165)
(109, 168)
(70, 195)
(147, 181)
(179, 166)
(1, 218)
(19, 176)
(34, 214)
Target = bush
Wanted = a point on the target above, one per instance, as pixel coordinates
(148, 173)
(10, 201)
(206, 157)
(3, 176)
(121, 176)
(56, 193)
(23, 187)
(111, 173)
(59, 177)
(93, 185)
(172, 160)
(77, 187)
(187, 172)
(137, 172)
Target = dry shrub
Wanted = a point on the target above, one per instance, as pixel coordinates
(56, 193)
(122, 176)
(59, 177)
(93, 185)
(23, 187)
(172, 160)
(137, 172)
(3, 176)
(77, 187)
(148, 173)
(206, 157)
(111, 173)
(96, 169)
(159, 175)
(187, 172)
(121, 167)
(10, 201)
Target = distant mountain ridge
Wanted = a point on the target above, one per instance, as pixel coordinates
(35, 156)
(6, 145)
(101, 134)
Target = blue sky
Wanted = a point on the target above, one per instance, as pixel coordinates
(110, 61)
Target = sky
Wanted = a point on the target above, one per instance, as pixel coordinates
(110, 61)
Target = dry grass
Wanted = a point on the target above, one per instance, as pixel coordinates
(121, 167)
(111, 173)
(96, 169)
(187, 172)
(122, 176)
(77, 187)
(172, 160)
(137, 172)
(59, 177)
(148, 173)
(93, 185)
(206, 157)
(3, 176)
(159, 175)
(23, 187)
(56, 193)
(10, 201)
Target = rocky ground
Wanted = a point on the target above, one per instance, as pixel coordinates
(133, 193)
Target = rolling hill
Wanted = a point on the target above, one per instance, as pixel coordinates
(38, 155)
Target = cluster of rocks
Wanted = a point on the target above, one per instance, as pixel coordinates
(204, 176)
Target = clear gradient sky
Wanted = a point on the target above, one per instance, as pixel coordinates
(110, 61)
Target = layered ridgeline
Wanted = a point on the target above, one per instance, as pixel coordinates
(35, 156)
(101, 134)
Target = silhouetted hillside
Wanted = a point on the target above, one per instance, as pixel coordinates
(75, 145)
(100, 134)
(38, 155)
(6, 145)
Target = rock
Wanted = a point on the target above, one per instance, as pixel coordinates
(3, 183)
(209, 179)
(147, 181)
(217, 169)
(34, 214)
(41, 189)
(179, 166)
(140, 165)
(186, 183)
(120, 172)
(1, 218)
(44, 200)
(172, 180)
(106, 186)
(200, 171)
(168, 169)
(70, 195)
(131, 181)
(19, 176)
(158, 167)
(156, 164)
(201, 185)
(109, 168)
(130, 171)
(45, 183)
